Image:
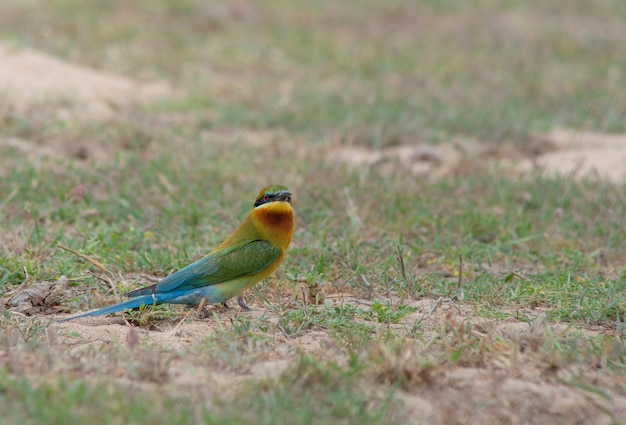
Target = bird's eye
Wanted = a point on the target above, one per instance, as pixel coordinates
(266, 197)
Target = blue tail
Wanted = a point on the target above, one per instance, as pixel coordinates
(126, 305)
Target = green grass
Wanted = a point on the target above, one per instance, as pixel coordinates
(266, 93)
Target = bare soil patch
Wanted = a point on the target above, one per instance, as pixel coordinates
(29, 78)
(562, 152)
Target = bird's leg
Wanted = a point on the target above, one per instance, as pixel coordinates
(225, 304)
(242, 304)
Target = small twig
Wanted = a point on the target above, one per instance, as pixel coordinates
(352, 210)
(96, 263)
(200, 307)
(151, 278)
(457, 304)
(283, 331)
(373, 293)
(434, 307)
(181, 322)
(169, 187)
(457, 296)
(93, 261)
(458, 284)
(106, 280)
(8, 198)
(401, 261)
(403, 273)
(358, 301)
(350, 299)
(521, 276)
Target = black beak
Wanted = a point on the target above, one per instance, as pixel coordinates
(285, 196)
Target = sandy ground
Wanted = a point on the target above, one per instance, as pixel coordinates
(29, 78)
(520, 379)
(563, 152)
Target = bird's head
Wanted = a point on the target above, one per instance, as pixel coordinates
(273, 193)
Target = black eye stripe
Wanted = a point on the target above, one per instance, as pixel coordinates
(265, 198)
(273, 196)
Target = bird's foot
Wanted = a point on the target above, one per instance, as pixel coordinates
(225, 305)
(242, 304)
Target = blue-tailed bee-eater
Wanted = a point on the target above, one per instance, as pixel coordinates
(249, 255)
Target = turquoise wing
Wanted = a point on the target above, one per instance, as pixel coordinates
(244, 259)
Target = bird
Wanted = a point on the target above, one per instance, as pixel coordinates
(250, 254)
